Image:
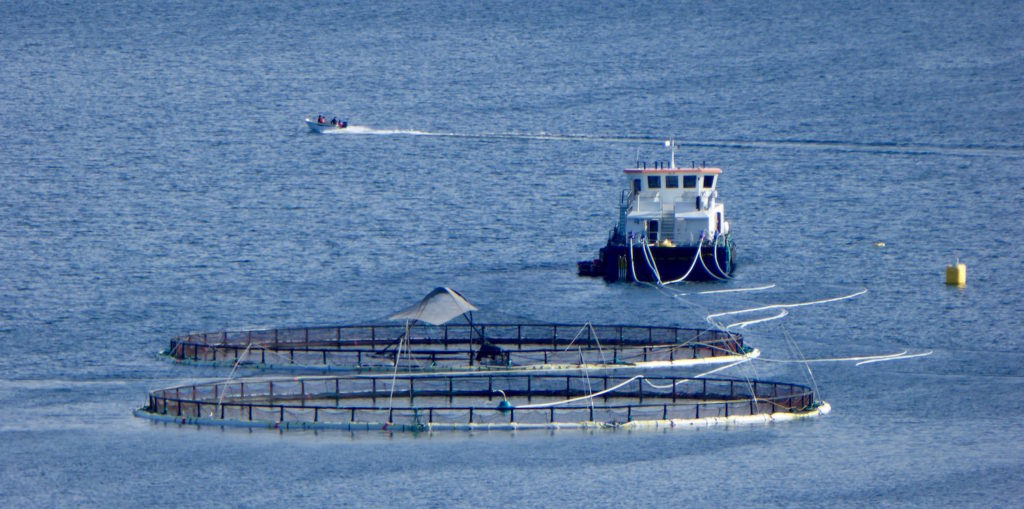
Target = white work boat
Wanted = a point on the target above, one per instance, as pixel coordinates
(671, 228)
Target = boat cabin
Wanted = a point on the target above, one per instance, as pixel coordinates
(673, 206)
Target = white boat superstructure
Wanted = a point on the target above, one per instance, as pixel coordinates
(673, 206)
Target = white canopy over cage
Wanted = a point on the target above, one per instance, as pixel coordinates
(437, 308)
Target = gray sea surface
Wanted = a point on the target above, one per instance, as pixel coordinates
(156, 178)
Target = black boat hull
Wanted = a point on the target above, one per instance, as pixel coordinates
(672, 263)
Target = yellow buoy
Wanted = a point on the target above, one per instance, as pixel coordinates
(956, 274)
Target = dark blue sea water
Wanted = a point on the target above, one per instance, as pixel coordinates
(157, 179)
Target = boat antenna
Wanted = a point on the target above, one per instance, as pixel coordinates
(636, 164)
(671, 144)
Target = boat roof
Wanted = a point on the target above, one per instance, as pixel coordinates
(694, 171)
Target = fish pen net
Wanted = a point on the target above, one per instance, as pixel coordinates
(458, 401)
(458, 346)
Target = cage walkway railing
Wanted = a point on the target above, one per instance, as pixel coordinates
(358, 345)
(363, 400)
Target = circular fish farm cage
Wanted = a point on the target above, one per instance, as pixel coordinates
(511, 400)
(453, 346)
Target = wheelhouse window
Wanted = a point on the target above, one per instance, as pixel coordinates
(709, 181)
(653, 181)
(671, 181)
(689, 181)
(636, 185)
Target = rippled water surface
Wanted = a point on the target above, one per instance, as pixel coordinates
(157, 179)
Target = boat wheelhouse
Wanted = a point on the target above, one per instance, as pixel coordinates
(671, 228)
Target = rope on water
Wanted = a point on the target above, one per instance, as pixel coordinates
(743, 325)
(712, 316)
(732, 290)
(866, 359)
(896, 358)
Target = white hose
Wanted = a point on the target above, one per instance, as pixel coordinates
(714, 251)
(743, 325)
(706, 269)
(580, 398)
(712, 316)
(693, 264)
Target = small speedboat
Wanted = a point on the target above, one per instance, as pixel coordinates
(324, 127)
